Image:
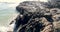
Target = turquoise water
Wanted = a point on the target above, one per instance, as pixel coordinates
(6, 13)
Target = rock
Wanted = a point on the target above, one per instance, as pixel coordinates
(57, 25)
(37, 17)
(55, 11)
(33, 6)
(48, 28)
(56, 17)
(45, 21)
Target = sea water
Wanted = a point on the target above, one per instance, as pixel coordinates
(7, 12)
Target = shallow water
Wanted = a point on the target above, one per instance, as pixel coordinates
(7, 10)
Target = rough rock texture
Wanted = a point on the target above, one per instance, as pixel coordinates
(37, 17)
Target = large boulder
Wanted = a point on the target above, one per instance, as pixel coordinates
(37, 17)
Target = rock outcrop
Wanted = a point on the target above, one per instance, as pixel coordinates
(37, 17)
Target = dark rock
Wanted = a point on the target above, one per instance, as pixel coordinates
(37, 17)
